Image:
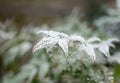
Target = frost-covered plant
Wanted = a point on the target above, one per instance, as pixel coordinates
(75, 48)
(65, 41)
(55, 56)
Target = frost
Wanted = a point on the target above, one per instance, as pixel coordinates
(44, 67)
(28, 71)
(17, 51)
(93, 39)
(65, 41)
(105, 45)
(53, 34)
(44, 43)
(89, 49)
(64, 45)
(52, 39)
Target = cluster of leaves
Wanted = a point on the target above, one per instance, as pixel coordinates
(15, 47)
(81, 47)
(64, 41)
(58, 57)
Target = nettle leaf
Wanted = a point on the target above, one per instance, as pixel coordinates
(28, 72)
(53, 38)
(17, 51)
(53, 34)
(105, 45)
(64, 45)
(43, 70)
(93, 39)
(44, 43)
(63, 41)
(89, 50)
(89, 47)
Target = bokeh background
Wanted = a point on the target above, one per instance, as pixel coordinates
(21, 19)
(46, 11)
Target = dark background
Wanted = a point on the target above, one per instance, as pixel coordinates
(48, 11)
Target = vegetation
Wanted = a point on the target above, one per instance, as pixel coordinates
(66, 53)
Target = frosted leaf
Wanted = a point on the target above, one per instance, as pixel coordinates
(24, 47)
(7, 35)
(105, 50)
(53, 33)
(16, 51)
(64, 45)
(53, 38)
(43, 70)
(12, 54)
(44, 43)
(32, 70)
(89, 49)
(105, 45)
(93, 39)
(28, 71)
(77, 38)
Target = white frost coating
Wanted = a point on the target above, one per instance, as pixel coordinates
(93, 39)
(105, 45)
(53, 38)
(64, 45)
(64, 41)
(44, 43)
(43, 70)
(89, 49)
(53, 33)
